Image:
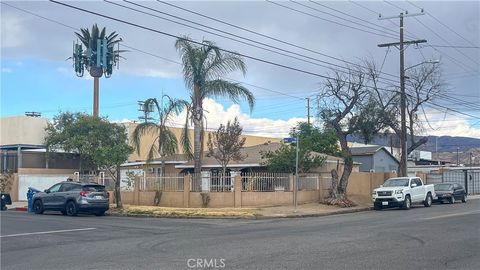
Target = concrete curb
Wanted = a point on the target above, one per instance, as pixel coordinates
(259, 217)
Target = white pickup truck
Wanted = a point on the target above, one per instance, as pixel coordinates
(402, 192)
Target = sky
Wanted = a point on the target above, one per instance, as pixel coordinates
(37, 38)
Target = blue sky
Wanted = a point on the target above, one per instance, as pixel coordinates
(36, 77)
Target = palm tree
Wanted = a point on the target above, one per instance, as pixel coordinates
(203, 67)
(89, 57)
(165, 143)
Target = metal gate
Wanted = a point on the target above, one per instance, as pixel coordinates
(470, 179)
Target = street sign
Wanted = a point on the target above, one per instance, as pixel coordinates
(289, 140)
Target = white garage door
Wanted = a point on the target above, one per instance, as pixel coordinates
(39, 182)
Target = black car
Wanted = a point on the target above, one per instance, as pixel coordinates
(71, 198)
(447, 192)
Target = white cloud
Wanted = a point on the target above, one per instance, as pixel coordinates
(7, 70)
(13, 31)
(449, 125)
(216, 114)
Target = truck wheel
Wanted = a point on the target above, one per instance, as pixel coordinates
(71, 208)
(464, 198)
(452, 199)
(377, 207)
(407, 203)
(38, 207)
(428, 200)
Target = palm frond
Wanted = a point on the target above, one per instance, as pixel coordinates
(185, 139)
(234, 91)
(140, 131)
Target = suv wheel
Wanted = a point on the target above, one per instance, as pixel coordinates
(464, 198)
(71, 208)
(377, 207)
(407, 203)
(38, 207)
(452, 199)
(99, 213)
(428, 200)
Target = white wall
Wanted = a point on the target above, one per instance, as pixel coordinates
(40, 182)
(22, 130)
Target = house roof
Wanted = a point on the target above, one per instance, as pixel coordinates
(370, 151)
(253, 157)
(365, 150)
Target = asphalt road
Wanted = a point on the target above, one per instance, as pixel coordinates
(440, 237)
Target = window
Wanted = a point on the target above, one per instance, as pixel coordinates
(55, 188)
(418, 182)
(69, 187)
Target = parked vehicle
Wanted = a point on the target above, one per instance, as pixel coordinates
(71, 198)
(402, 192)
(449, 192)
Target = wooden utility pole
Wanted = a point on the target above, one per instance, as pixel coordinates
(403, 106)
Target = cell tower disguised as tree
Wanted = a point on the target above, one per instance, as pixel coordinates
(98, 57)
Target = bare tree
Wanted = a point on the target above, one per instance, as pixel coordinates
(225, 144)
(422, 85)
(339, 105)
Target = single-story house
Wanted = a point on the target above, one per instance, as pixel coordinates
(374, 159)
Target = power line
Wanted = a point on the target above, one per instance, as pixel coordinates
(454, 60)
(160, 32)
(446, 26)
(328, 20)
(240, 41)
(435, 33)
(344, 19)
(148, 53)
(265, 36)
(352, 16)
(456, 46)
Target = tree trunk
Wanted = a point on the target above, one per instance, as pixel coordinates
(347, 163)
(333, 191)
(197, 131)
(118, 195)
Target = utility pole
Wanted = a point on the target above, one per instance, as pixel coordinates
(458, 158)
(308, 110)
(403, 106)
(295, 184)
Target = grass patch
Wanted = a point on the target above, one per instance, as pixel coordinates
(157, 211)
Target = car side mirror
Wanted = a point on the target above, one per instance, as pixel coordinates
(381, 185)
(413, 185)
(47, 191)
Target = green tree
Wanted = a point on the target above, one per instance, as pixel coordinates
(318, 140)
(165, 143)
(101, 145)
(312, 140)
(225, 144)
(203, 67)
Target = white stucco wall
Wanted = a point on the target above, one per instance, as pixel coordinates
(22, 130)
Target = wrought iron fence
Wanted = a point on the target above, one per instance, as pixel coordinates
(214, 182)
(265, 182)
(308, 182)
(470, 179)
(168, 182)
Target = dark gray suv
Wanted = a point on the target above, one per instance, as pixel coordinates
(71, 198)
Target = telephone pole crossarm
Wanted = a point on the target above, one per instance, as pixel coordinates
(418, 41)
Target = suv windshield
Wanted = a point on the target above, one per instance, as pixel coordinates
(94, 188)
(443, 187)
(396, 182)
